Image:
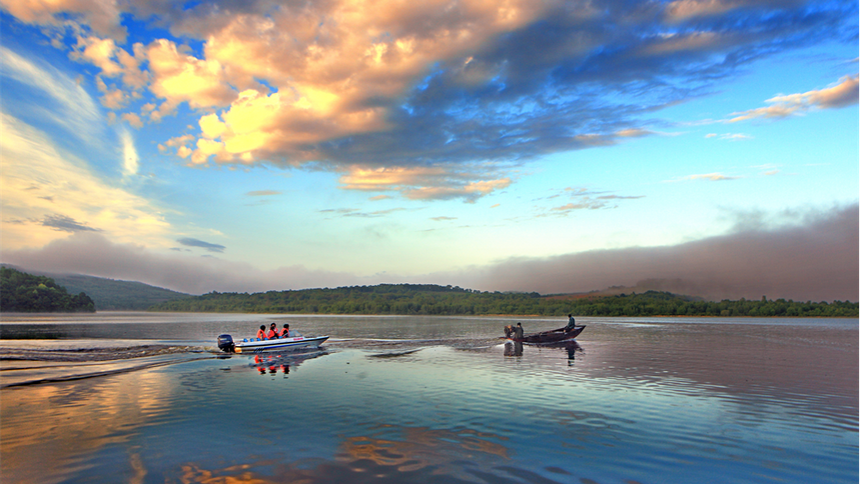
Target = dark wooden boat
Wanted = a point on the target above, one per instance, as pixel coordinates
(553, 336)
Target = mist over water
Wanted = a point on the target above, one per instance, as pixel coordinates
(422, 399)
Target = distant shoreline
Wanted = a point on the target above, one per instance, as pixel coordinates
(432, 300)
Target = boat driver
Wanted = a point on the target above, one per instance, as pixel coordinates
(571, 324)
(285, 333)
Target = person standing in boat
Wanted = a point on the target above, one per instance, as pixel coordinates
(571, 324)
(261, 333)
(518, 331)
(285, 333)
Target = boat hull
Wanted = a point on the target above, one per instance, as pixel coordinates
(279, 344)
(553, 336)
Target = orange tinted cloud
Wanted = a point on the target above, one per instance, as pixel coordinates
(843, 94)
(422, 183)
(103, 17)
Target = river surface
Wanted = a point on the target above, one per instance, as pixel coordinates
(148, 398)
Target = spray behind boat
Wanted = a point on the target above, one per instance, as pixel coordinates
(225, 342)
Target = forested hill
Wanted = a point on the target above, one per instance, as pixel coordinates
(26, 293)
(412, 299)
(111, 294)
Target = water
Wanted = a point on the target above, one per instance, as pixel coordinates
(138, 397)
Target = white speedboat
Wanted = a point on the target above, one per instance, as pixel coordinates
(254, 345)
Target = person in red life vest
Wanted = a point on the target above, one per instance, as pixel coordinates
(285, 333)
(273, 331)
(261, 333)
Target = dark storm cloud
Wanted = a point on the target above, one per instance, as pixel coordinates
(199, 243)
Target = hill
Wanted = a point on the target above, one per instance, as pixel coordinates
(115, 295)
(111, 294)
(412, 299)
(26, 293)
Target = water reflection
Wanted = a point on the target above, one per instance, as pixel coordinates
(571, 348)
(642, 403)
(387, 453)
(513, 348)
(49, 431)
(281, 362)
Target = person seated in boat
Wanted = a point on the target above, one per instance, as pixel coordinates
(261, 333)
(571, 324)
(285, 333)
(518, 331)
(273, 331)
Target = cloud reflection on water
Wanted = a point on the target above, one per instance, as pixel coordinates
(390, 453)
(50, 432)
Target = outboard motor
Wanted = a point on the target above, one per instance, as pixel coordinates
(225, 342)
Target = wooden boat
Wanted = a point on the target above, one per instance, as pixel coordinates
(553, 336)
(254, 345)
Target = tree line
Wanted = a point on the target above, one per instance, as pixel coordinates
(26, 293)
(425, 299)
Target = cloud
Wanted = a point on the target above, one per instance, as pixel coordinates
(844, 93)
(130, 159)
(179, 77)
(424, 183)
(585, 199)
(710, 177)
(579, 206)
(680, 10)
(199, 243)
(45, 189)
(263, 193)
(93, 254)
(66, 224)
(73, 109)
(102, 17)
(813, 257)
(729, 136)
(620, 197)
(354, 212)
(414, 86)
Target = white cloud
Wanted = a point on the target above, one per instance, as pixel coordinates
(729, 136)
(75, 111)
(46, 192)
(716, 176)
(130, 159)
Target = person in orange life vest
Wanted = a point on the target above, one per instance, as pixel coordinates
(261, 333)
(273, 331)
(285, 333)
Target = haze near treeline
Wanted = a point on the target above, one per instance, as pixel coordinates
(706, 148)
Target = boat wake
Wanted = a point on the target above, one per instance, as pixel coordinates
(8, 354)
(32, 366)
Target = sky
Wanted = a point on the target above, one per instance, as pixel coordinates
(707, 147)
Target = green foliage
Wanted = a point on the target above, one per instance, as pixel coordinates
(26, 293)
(412, 299)
(110, 295)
